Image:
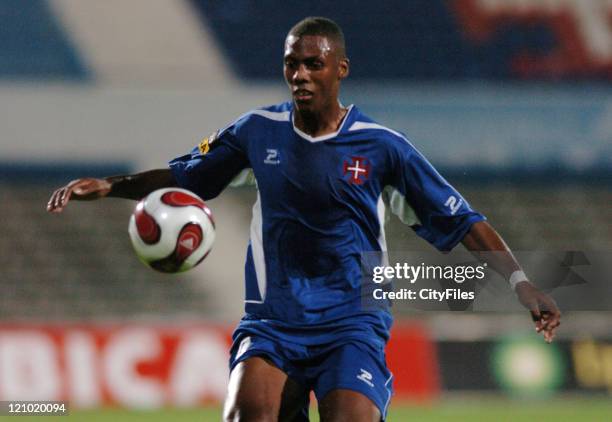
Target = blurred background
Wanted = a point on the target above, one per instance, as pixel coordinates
(511, 100)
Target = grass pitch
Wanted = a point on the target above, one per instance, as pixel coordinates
(472, 409)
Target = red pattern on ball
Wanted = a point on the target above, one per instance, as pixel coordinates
(189, 239)
(146, 226)
(182, 199)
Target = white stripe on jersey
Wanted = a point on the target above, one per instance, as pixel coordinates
(259, 259)
(400, 207)
(382, 241)
(380, 207)
(279, 116)
(389, 392)
(369, 125)
(245, 178)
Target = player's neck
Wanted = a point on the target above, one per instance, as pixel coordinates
(320, 122)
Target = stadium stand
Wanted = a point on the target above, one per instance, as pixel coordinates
(34, 44)
(80, 266)
(528, 222)
(148, 43)
(424, 40)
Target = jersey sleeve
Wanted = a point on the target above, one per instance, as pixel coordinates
(212, 164)
(439, 213)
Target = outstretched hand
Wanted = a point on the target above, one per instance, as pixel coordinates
(80, 189)
(544, 310)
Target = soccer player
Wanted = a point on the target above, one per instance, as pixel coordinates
(321, 169)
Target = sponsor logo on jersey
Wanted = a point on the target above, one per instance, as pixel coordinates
(272, 156)
(204, 145)
(366, 377)
(357, 169)
(453, 205)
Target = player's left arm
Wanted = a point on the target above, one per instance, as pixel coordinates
(481, 240)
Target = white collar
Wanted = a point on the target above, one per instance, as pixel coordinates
(322, 137)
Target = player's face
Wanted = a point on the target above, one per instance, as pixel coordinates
(313, 71)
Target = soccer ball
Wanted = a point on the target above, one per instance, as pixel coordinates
(172, 230)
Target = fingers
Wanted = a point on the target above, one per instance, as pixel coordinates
(546, 323)
(551, 314)
(58, 200)
(50, 204)
(61, 196)
(81, 189)
(544, 311)
(550, 327)
(550, 318)
(551, 321)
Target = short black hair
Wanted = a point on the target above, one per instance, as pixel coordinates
(317, 25)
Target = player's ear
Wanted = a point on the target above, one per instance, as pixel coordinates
(343, 66)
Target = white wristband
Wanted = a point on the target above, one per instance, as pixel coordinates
(517, 277)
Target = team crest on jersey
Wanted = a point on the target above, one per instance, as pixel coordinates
(356, 169)
(204, 145)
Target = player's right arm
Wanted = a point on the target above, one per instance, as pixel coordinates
(135, 186)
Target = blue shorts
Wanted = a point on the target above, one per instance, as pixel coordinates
(353, 365)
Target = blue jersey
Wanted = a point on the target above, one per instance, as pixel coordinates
(319, 206)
